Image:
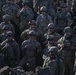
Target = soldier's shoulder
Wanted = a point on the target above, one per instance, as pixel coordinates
(25, 31)
(57, 34)
(39, 16)
(29, 8)
(74, 37)
(49, 16)
(38, 30)
(15, 42)
(11, 25)
(37, 42)
(25, 42)
(68, 14)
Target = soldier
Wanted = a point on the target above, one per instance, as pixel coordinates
(67, 45)
(52, 31)
(54, 62)
(43, 19)
(11, 8)
(25, 14)
(5, 29)
(10, 50)
(62, 18)
(50, 42)
(6, 22)
(30, 50)
(32, 26)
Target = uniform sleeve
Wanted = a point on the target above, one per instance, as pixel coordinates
(23, 35)
(58, 36)
(4, 7)
(13, 29)
(55, 19)
(69, 20)
(62, 68)
(24, 43)
(31, 14)
(50, 19)
(37, 21)
(39, 49)
(17, 52)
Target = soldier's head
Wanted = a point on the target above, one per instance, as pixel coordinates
(32, 24)
(43, 10)
(68, 32)
(6, 18)
(32, 35)
(63, 7)
(9, 35)
(53, 52)
(5, 29)
(51, 28)
(51, 40)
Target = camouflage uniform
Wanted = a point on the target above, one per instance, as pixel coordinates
(54, 62)
(50, 42)
(43, 19)
(62, 19)
(10, 50)
(67, 45)
(30, 50)
(32, 26)
(12, 10)
(5, 29)
(6, 22)
(25, 14)
(51, 31)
